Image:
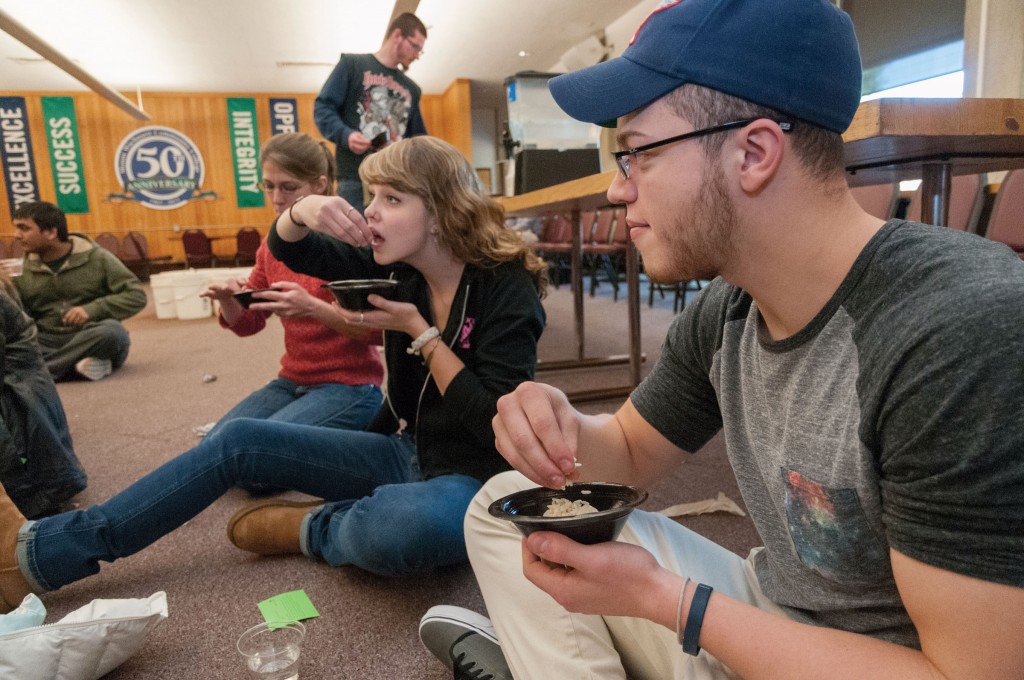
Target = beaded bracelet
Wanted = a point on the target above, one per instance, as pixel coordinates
(695, 619)
(426, 336)
(295, 221)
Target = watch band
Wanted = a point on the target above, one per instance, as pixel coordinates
(695, 619)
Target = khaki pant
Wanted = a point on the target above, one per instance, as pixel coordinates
(541, 640)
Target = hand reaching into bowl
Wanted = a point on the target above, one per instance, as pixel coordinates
(224, 293)
(224, 290)
(537, 430)
(330, 215)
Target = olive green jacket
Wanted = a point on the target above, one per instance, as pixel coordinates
(91, 277)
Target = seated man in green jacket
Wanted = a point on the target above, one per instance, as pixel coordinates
(77, 292)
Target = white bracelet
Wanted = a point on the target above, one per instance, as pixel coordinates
(417, 345)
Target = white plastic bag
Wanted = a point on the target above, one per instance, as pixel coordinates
(86, 644)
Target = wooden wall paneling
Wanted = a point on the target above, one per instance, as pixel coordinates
(448, 116)
(203, 118)
(432, 108)
(458, 117)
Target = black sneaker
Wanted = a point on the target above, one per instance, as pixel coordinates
(465, 642)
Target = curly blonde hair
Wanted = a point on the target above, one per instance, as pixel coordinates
(470, 223)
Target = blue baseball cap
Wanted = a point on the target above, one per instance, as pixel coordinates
(799, 57)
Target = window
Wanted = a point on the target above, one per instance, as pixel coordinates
(937, 72)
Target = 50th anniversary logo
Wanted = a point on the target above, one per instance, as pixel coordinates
(157, 166)
(160, 168)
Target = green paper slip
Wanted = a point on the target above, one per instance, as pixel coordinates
(287, 607)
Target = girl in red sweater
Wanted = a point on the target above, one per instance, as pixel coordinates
(331, 371)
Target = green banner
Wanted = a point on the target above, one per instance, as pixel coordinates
(245, 149)
(65, 154)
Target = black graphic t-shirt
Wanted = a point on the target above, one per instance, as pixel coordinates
(363, 95)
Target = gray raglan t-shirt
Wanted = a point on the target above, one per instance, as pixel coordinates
(894, 419)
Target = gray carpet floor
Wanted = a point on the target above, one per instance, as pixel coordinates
(143, 415)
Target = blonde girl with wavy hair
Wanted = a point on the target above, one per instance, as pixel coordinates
(470, 223)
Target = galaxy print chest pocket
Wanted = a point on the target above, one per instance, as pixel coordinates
(830, 530)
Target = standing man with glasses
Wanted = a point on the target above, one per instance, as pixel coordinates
(866, 376)
(368, 102)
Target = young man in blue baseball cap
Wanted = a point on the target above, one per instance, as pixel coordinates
(866, 376)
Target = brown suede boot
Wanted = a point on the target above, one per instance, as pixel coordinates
(13, 586)
(269, 527)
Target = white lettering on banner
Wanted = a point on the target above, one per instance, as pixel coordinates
(284, 117)
(23, 193)
(60, 128)
(245, 141)
(16, 150)
(15, 144)
(63, 141)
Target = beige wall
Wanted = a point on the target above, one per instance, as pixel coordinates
(994, 49)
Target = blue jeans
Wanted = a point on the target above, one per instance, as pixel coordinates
(346, 407)
(352, 191)
(380, 516)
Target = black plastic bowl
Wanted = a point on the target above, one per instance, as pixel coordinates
(245, 298)
(614, 502)
(352, 294)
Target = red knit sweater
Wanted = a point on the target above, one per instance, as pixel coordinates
(313, 352)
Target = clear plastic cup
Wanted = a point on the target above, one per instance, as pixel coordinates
(271, 650)
(11, 266)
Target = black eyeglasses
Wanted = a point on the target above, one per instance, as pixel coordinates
(416, 47)
(622, 157)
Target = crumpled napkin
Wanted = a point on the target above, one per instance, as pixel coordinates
(84, 645)
(29, 613)
(720, 503)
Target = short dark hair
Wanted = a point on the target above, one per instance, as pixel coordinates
(46, 215)
(409, 24)
(820, 151)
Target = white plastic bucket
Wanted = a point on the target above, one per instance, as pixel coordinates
(162, 285)
(187, 287)
(219, 274)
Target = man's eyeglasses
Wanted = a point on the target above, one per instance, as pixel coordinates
(285, 187)
(417, 47)
(622, 157)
